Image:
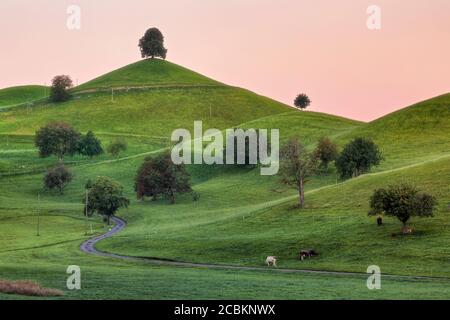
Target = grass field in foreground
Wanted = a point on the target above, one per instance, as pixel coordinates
(112, 279)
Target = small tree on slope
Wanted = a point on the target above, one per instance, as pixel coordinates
(296, 166)
(160, 176)
(402, 201)
(105, 197)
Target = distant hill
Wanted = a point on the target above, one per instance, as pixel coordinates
(22, 94)
(162, 97)
(421, 131)
(149, 72)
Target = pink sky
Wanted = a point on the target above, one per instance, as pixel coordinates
(277, 48)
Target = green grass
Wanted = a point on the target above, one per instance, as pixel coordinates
(19, 95)
(241, 216)
(149, 72)
(416, 133)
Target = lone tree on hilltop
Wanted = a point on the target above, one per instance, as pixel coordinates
(159, 176)
(302, 101)
(57, 178)
(326, 151)
(296, 166)
(59, 90)
(90, 146)
(358, 156)
(152, 44)
(105, 196)
(57, 138)
(402, 201)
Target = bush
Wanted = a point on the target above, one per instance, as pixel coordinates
(116, 147)
(90, 146)
(326, 152)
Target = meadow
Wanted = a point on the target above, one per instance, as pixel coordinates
(241, 216)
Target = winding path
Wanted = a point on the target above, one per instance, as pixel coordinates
(89, 247)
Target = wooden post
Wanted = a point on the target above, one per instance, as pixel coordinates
(86, 215)
(39, 215)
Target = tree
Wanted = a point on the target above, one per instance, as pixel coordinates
(358, 157)
(152, 44)
(105, 197)
(302, 101)
(57, 178)
(160, 176)
(57, 138)
(117, 146)
(402, 201)
(59, 90)
(296, 166)
(90, 146)
(326, 152)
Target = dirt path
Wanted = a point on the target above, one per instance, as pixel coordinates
(89, 247)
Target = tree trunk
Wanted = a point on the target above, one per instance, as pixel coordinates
(405, 228)
(301, 194)
(172, 197)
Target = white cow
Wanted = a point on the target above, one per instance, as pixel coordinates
(271, 261)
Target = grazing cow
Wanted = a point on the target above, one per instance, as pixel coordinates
(408, 230)
(380, 221)
(307, 253)
(271, 261)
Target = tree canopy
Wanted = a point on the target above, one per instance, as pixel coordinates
(57, 178)
(105, 197)
(59, 90)
(57, 138)
(358, 157)
(90, 146)
(296, 166)
(152, 44)
(159, 176)
(402, 201)
(326, 151)
(302, 101)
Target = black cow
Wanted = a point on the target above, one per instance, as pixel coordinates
(307, 253)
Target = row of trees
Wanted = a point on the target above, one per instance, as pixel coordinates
(298, 164)
(61, 139)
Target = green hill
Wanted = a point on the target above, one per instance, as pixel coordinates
(149, 72)
(241, 216)
(418, 132)
(22, 94)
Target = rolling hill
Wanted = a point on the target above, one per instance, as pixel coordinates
(149, 72)
(241, 217)
(13, 96)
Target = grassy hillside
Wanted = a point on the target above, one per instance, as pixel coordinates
(18, 95)
(419, 132)
(241, 216)
(149, 72)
